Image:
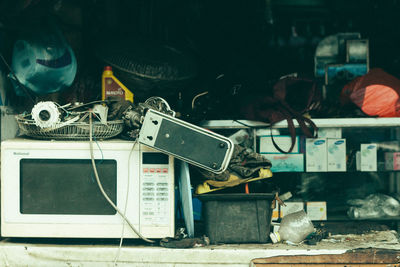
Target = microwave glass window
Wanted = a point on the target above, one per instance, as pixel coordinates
(154, 158)
(66, 186)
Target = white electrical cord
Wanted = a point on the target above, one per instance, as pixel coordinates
(197, 96)
(126, 204)
(101, 187)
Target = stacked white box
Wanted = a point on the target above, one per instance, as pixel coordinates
(336, 154)
(368, 159)
(316, 155)
(330, 133)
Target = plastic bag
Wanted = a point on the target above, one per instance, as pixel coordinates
(373, 206)
(294, 227)
(376, 94)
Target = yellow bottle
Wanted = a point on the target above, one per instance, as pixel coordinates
(111, 86)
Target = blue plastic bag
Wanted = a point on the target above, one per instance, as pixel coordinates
(42, 62)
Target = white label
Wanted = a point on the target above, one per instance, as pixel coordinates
(316, 211)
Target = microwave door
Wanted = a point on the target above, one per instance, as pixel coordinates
(54, 193)
(66, 187)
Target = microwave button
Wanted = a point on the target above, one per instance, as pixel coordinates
(162, 184)
(148, 188)
(165, 170)
(148, 199)
(162, 199)
(152, 170)
(145, 170)
(162, 194)
(158, 170)
(148, 184)
(148, 194)
(162, 189)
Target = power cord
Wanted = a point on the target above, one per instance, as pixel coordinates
(126, 204)
(101, 187)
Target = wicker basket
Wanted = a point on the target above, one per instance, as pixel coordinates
(71, 131)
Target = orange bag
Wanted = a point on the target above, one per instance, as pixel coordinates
(375, 93)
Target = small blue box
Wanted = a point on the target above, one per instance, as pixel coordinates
(286, 162)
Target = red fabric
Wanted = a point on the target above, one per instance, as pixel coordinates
(376, 93)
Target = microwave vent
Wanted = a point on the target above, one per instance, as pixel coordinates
(71, 131)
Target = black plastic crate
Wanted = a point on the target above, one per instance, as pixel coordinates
(237, 218)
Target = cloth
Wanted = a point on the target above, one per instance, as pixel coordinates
(243, 164)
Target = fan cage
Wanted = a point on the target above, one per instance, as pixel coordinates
(71, 131)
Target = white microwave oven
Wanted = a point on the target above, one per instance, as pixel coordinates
(48, 189)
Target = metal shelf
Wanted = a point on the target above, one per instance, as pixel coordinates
(321, 123)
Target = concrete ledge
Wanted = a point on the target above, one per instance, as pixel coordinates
(95, 253)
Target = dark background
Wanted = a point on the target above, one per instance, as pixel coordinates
(250, 42)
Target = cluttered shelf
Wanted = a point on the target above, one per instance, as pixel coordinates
(321, 123)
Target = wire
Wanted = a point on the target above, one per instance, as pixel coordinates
(101, 187)
(101, 151)
(93, 102)
(244, 124)
(197, 96)
(126, 204)
(26, 90)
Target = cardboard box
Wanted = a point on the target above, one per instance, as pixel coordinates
(368, 154)
(392, 161)
(291, 207)
(316, 210)
(336, 154)
(316, 155)
(286, 162)
(283, 141)
(330, 133)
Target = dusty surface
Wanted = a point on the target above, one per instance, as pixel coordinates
(374, 239)
(94, 253)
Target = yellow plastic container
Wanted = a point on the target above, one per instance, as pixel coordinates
(111, 86)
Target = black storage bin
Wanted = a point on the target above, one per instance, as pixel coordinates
(237, 218)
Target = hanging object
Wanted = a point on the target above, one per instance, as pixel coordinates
(43, 62)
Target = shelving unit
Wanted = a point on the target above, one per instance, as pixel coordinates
(321, 123)
(364, 126)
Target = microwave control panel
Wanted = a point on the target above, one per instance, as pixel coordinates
(155, 198)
